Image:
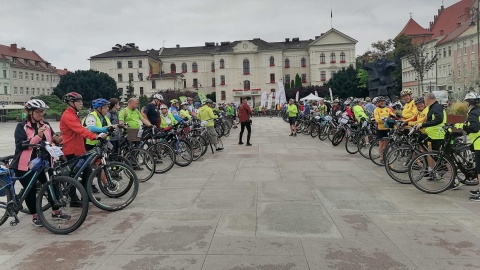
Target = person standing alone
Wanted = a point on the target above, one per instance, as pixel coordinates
(292, 111)
(244, 114)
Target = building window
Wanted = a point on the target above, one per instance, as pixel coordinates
(21, 90)
(5, 90)
(15, 90)
(120, 90)
(154, 84)
(332, 73)
(459, 71)
(43, 77)
(5, 74)
(194, 67)
(184, 68)
(333, 58)
(287, 78)
(449, 50)
(26, 62)
(140, 76)
(31, 76)
(303, 62)
(37, 77)
(14, 60)
(322, 58)
(272, 77)
(246, 67)
(141, 91)
(140, 64)
(195, 83)
(342, 57)
(213, 82)
(212, 67)
(323, 76)
(222, 63)
(444, 52)
(15, 75)
(27, 91)
(119, 64)
(465, 69)
(223, 95)
(272, 61)
(130, 77)
(465, 47)
(246, 85)
(222, 79)
(287, 63)
(304, 78)
(43, 91)
(473, 68)
(173, 68)
(130, 64)
(120, 78)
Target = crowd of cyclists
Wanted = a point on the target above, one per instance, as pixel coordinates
(390, 132)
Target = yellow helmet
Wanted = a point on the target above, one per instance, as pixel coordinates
(173, 101)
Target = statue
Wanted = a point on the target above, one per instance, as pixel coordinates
(380, 81)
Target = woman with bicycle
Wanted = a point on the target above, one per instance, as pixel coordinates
(381, 113)
(34, 130)
(472, 127)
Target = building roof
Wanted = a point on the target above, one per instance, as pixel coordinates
(129, 50)
(412, 28)
(35, 62)
(13, 51)
(62, 72)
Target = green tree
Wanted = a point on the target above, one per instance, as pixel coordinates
(292, 84)
(420, 61)
(55, 105)
(345, 84)
(142, 101)
(384, 48)
(298, 81)
(130, 93)
(362, 76)
(212, 96)
(90, 84)
(287, 85)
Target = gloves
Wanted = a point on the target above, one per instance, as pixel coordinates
(459, 126)
(102, 136)
(110, 129)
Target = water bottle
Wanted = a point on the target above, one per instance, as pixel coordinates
(77, 166)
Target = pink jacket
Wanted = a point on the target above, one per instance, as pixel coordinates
(26, 154)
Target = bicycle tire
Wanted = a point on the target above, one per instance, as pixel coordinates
(24, 209)
(432, 177)
(183, 153)
(314, 130)
(331, 133)
(204, 142)
(398, 162)
(373, 153)
(363, 146)
(323, 132)
(118, 158)
(219, 129)
(164, 156)
(110, 198)
(351, 144)
(61, 186)
(338, 137)
(197, 147)
(142, 162)
(4, 200)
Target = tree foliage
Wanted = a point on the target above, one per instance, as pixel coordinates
(90, 84)
(362, 76)
(212, 96)
(420, 61)
(298, 81)
(130, 93)
(345, 83)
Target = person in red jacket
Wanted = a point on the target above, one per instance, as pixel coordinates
(74, 134)
(244, 114)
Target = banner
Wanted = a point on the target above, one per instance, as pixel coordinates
(297, 95)
(269, 101)
(331, 95)
(202, 96)
(182, 99)
(263, 99)
(282, 98)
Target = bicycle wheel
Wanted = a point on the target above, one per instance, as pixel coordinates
(204, 143)
(118, 158)
(331, 133)
(338, 137)
(351, 144)
(219, 129)
(24, 208)
(183, 153)
(397, 162)
(197, 147)
(439, 179)
(5, 197)
(69, 219)
(143, 163)
(314, 130)
(323, 132)
(119, 188)
(373, 153)
(164, 156)
(306, 128)
(364, 145)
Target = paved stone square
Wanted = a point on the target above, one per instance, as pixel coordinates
(284, 203)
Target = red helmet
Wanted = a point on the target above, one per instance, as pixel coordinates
(72, 96)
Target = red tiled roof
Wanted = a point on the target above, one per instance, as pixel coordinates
(62, 72)
(449, 18)
(412, 28)
(455, 33)
(20, 53)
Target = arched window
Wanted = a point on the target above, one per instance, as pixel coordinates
(173, 68)
(322, 58)
(194, 67)
(303, 62)
(272, 61)
(342, 57)
(184, 68)
(213, 67)
(287, 62)
(222, 63)
(246, 85)
(246, 67)
(332, 58)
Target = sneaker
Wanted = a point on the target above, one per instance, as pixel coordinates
(76, 204)
(36, 222)
(475, 198)
(456, 184)
(234, 127)
(95, 189)
(240, 143)
(475, 192)
(60, 215)
(249, 144)
(291, 134)
(219, 149)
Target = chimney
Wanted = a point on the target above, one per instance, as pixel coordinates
(178, 46)
(287, 39)
(22, 48)
(435, 18)
(13, 47)
(431, 25)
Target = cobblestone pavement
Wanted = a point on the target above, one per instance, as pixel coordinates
(283, 203)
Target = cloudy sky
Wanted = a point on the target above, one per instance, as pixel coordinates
(67, 32)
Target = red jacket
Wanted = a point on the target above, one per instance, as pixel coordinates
(244, 113)
(74, 133)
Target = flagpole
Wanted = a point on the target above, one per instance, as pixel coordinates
(331, 17)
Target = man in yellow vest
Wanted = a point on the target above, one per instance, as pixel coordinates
(206, 114)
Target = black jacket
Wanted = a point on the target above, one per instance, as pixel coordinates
(434, 110)
(472, 124)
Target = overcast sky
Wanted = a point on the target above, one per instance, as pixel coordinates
(67, 32)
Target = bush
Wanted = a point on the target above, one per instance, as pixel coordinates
(458, 108)
(14, 114)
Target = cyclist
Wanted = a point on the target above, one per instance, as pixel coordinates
(381, 113)
(206, 114)
(151, 112)
(244, 114)
(472, 127)
(196, 108)
(422, 113)
(336, 107)
(409, 112)
(74, 134)
(132, 116)
(184, 112)
(166, 117)
(359, 112)
(322, 108)
(191, 107)
(174, 109)
(231, 114)
(34, 130)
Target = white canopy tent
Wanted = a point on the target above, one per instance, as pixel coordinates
(310, 97)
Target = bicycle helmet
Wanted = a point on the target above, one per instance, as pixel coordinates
(208, 101)
(374, 100)
(381, 98)
(72, 96)
(157, 96)
(163, 106)
(185, 103)
(196, 104)
(173, 101)
(336, 101)
(189, 98)
(35, 104)
(471, 97)
(419, 100)
(99, 102)
(405, 92)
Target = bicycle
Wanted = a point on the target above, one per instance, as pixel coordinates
(56, 190)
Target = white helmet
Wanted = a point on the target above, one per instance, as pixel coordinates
(35, 104)
(158, 96)
(472, 97)
(163, 106)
